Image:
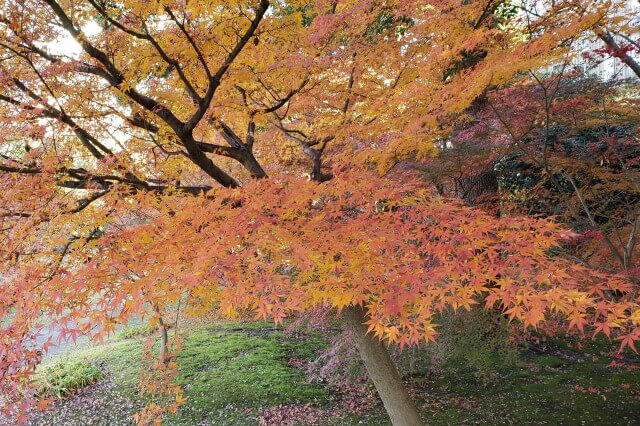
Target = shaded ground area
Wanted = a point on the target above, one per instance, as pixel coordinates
(99, 404)
(253, 375)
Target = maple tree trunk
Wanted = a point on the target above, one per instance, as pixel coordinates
(382, 371)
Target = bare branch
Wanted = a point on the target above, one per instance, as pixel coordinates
(215, 79)
(585, 208)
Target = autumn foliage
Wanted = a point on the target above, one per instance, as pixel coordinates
(157, 159)
(399, 250)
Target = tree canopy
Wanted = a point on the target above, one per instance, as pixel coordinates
(153, 152)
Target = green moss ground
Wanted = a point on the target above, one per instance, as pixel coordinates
(228, 373)
(557, 386)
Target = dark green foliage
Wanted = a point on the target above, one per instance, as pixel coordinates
(387, 21)
(64, 377)
(472, 342)
(307, 16)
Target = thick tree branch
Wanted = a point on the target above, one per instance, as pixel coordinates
(79, 178)
(486, 12)
(22, 170)
(138, 121)
(148, 37)
(83, 203)
(225, 151)
(307, 148)
(251, 134)
(350, 83)
(14, 214)
(195, 154)
(631, 242)
(111, 73)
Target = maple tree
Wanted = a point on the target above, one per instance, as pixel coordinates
(137, 162)
(616, 28)
(563, 146)
(590, 160)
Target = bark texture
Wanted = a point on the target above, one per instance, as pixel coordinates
(400, 408)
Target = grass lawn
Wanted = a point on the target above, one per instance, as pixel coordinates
(243, 374)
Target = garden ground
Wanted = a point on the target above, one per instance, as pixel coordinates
(256, 374)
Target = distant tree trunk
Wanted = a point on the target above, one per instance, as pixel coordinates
(611, 43)
(382, 371)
